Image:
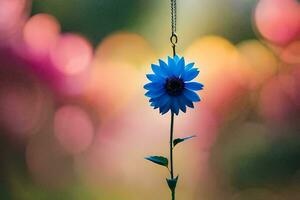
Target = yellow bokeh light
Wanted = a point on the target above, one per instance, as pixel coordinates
(128, 48)
(259, 61)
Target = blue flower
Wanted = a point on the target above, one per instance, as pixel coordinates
(171, 87)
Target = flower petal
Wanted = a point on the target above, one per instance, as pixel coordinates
(182, 104)
(187, 102)
(171, 64)
(157, 70)
(192, 96)
(164, 100)
(164, 68)
(175, 106)
(190, 75)
(193, 86)
(154, 78)
(154, 105)
(164, 109)
(189, 66)
(176, 58)
(179, 67)
(161, 100)
(153, 86)
(155, 93)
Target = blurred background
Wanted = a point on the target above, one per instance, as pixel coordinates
(75, 125)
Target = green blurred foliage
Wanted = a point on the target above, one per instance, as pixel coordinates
(250, 159)
(96, 19)
(276, 165)
(238, 18)
(92, 18)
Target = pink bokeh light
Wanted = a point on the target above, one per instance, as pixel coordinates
(278, 20)
(41, 40)
(73, 129)
(72, 54)
(12, 15)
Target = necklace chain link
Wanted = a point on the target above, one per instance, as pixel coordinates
(173, 16)
(173, 38)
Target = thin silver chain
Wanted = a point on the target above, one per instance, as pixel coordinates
(173, 38)
(173, 16)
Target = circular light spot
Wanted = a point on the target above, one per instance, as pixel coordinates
(72, 54)
(73, 129)
(128, 48)
(111, 86)
(12, 15)
(259, 60)
(213, 54)
(218, 62)
(74, 85)
(204, 51)
(278, 20)
(41, 33)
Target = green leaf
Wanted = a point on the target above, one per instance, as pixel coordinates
(158, 160)
(172, 183)
(179, 140)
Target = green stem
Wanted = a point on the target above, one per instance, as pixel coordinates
(171, 152)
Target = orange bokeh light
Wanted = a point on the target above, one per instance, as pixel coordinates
(220, 70)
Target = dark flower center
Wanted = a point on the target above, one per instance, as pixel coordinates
(174, 86)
